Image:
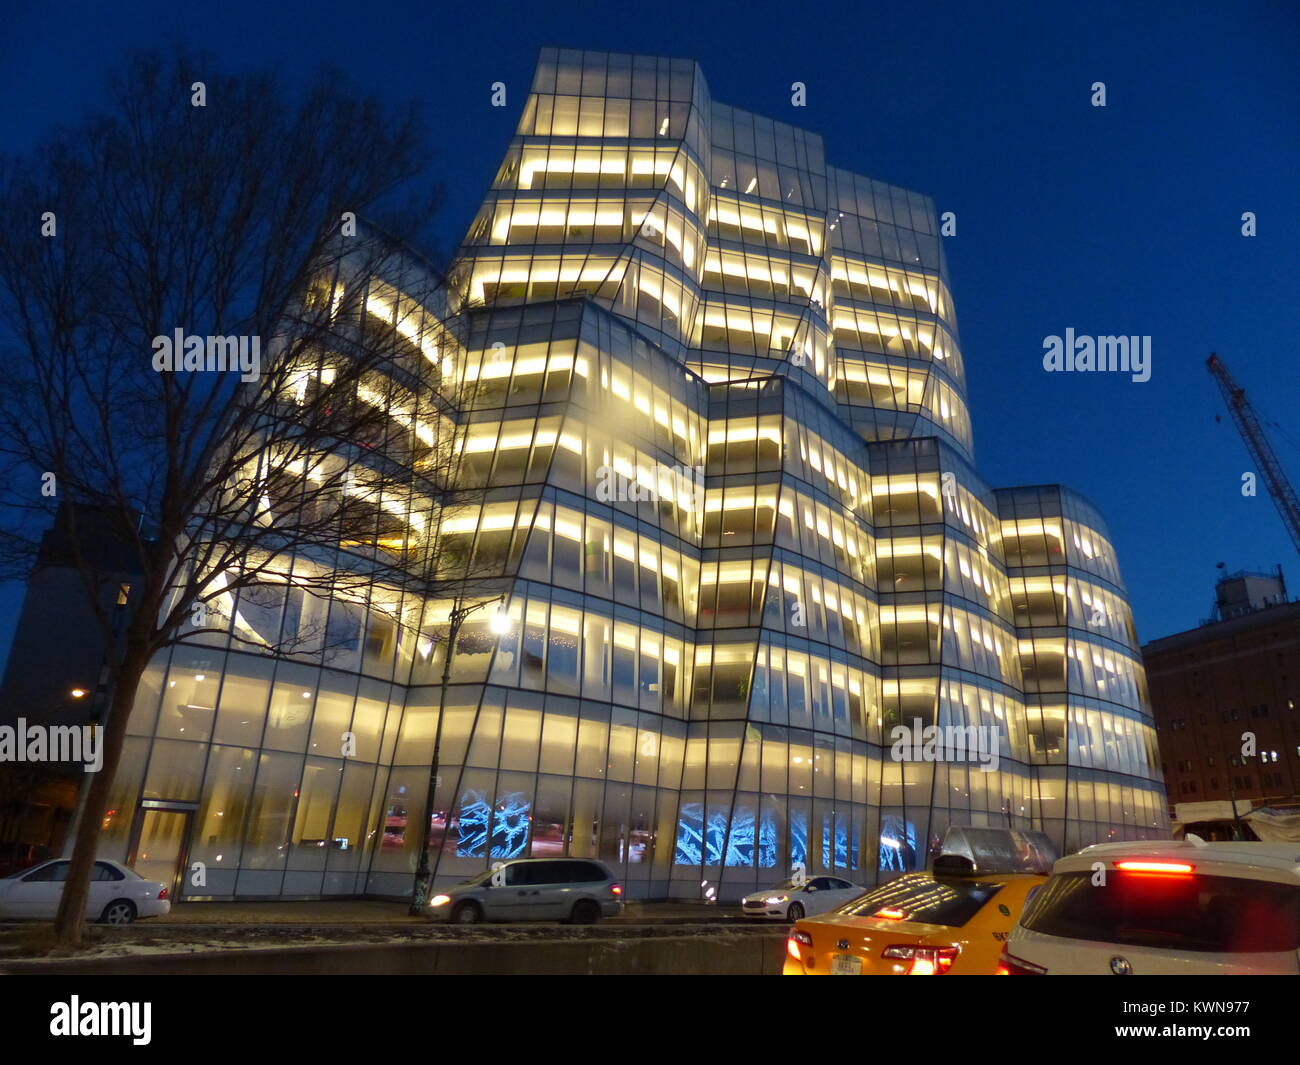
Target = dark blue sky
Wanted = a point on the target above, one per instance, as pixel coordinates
(1122, 220)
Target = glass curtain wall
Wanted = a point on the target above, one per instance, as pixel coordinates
(724, 479)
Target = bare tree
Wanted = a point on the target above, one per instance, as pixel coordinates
(201, 342)
(18, 787)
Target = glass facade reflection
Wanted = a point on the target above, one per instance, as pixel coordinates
(719, 435)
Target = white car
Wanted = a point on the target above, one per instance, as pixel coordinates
(1174, 907)
(118, 894)
(791, 901)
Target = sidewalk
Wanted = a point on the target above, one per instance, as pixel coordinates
(379, 934)
(382, 912)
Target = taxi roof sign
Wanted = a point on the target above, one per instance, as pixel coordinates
(987, 851)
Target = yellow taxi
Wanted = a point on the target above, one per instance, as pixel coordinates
(953, 919)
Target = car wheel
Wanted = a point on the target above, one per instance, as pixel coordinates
(585, 912)
(794, 912)
(118, 912)
(467, 913)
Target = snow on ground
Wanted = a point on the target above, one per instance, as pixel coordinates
(25, 943)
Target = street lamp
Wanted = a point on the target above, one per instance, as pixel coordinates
(459, 612)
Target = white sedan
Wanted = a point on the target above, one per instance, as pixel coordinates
(1165, 907)
(118, 894)
(791, 900)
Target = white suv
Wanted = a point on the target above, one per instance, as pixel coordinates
(1180, 907)
(578, 890)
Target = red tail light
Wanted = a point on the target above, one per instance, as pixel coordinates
(1156, 868)
(792, 944)
(616, 889)
(162, 894)
(925, 961)
(1010, 965)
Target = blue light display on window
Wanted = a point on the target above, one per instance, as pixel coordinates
(740, 841)
(715, 836)
(798, 836)
(897, 844)
(472, 825)
(690, 835)
(510, 823)
(701, 839)
(701, 843)
(767, 841)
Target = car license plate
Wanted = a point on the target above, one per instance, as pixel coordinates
(846, 965)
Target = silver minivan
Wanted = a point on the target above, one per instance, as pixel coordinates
(577, 890)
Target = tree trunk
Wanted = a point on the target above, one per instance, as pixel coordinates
(69, 924)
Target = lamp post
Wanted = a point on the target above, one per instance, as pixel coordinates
(1237, 832)
(459, 612)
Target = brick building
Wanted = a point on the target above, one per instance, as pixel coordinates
(1237, 674)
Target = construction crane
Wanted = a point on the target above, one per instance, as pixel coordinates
(1243, 414)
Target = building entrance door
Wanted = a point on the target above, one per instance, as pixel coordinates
(161, 846)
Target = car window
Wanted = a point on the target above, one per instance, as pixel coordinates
(544, 873)
(104, 871)
(559, 871)
(587, 873)
(1216, 914)
(840, 885)
(481, 878)
(921, 897)
(821, 883)
(541, 873)
(54, 873)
